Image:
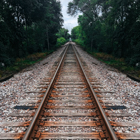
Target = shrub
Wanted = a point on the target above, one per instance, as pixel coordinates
(60, 41)
(80, 42)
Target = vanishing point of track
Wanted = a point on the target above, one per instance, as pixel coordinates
(70, 108)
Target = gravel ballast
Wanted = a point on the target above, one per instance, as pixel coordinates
(14, 90)
(125, 91)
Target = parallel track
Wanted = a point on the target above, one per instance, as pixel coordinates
(68, 102)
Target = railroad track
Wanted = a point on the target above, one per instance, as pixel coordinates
(70, 108)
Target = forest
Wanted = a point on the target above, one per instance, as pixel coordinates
(32, 26)
(29, 26)
(108, 26)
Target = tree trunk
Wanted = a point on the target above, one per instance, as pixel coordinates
(91, 44)
(48, 38)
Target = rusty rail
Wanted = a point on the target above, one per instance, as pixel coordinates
(28, 133)
(111, 134)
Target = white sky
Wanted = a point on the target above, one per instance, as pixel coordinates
(69, 21)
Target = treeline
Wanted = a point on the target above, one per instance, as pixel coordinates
(28, 26)
(63, 36)
(110, 26)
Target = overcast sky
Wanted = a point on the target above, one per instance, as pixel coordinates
(69, 21)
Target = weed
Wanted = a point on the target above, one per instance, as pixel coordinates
(21, 63)
(118, 63)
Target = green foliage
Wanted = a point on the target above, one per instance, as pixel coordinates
(21, 63)
(78, 35)
(27, 27)
(110, 26)
(63, 33)
(60, 41)
(79, 41)
(118, 63)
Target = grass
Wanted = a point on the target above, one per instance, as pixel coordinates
(118, 63)
(22, 63)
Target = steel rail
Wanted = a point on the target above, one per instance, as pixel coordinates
(112, 135)
(30, 129)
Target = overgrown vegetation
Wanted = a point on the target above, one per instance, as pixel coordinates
(27, 27)
(60, 41)
(63, 37)
(64, 33)
(21, 63)
(118, 63)
(109, 26)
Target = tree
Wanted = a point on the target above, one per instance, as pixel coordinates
(63, 33)
(28, 26)
(60, 41)
(110, 26)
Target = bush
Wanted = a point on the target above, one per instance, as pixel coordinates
(79, 42)
(60, 41)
